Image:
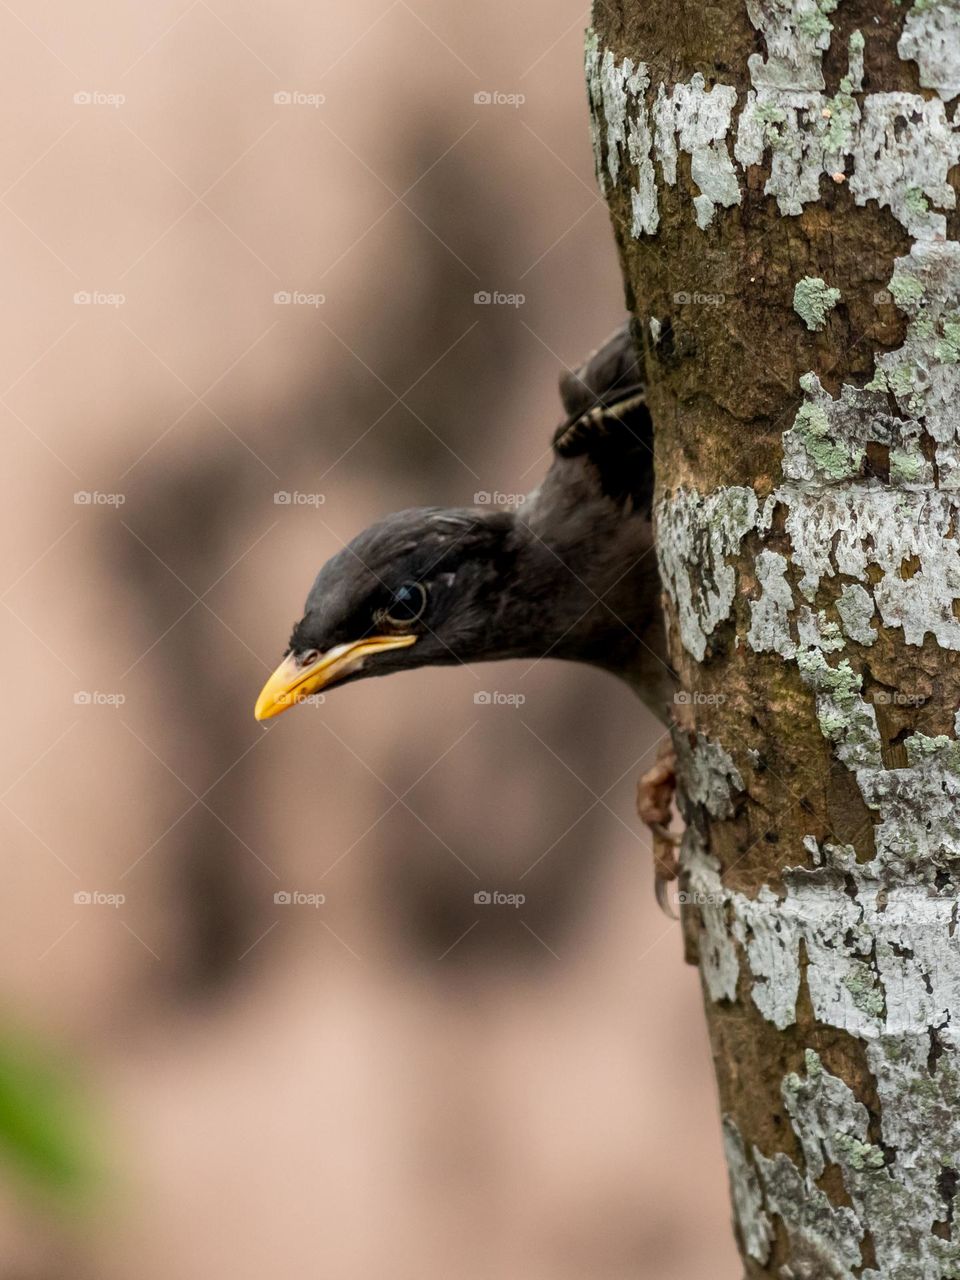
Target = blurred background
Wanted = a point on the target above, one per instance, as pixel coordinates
(242, 250)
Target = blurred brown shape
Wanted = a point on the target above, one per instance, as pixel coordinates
(403, 1079)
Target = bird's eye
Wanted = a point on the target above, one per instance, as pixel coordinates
(406, 607)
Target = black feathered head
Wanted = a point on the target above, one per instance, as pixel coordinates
(572, 574)
(422, 587)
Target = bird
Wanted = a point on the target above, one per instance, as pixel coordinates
(568, 573)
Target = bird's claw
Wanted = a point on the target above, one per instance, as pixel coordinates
(673, 838)
(663, 898)
(655, 793)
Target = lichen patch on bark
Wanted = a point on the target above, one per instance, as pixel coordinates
(896, 1190)
(892, 147)
(813, 300)
(697, 536)
(931, 36)
(808, 534)
(873, 942)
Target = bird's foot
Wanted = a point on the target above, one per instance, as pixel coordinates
(655, 793)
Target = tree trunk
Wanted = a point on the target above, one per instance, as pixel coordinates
(778, 173)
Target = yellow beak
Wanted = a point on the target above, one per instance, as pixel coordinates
(291, 682)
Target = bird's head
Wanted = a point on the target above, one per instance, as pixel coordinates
(422, 587)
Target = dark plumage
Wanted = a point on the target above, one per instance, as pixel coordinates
(570, 573)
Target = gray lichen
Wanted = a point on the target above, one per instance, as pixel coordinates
(747, 1197)
(889, 161)
(895, 148)
(796, 34)
(803, 143)
(696, 537)
(719, 961)
(897, 1199)
(710, 778)
(884, 960)
(621, 132)
(855, 48)
(842, 520)
(877, 533)
(813, 300)
(855, 607)
(829, 454)
(769, 938)
(591, 66)
(862, 985)
(845, 718)
(770, 615)
(824, 1240)
(692, 119)
(709, 773)
(828, 440)
(924, 374)
(696, 120)
(931, 36)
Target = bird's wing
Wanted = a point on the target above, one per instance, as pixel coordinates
(609, 372)
(608, 424)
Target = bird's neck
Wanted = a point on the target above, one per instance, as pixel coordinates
(590, 592)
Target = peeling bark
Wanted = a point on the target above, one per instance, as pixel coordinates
(781, 176)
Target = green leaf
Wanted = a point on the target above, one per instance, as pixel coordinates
(45, 1131)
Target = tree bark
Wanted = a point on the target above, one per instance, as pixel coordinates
(781, 180)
